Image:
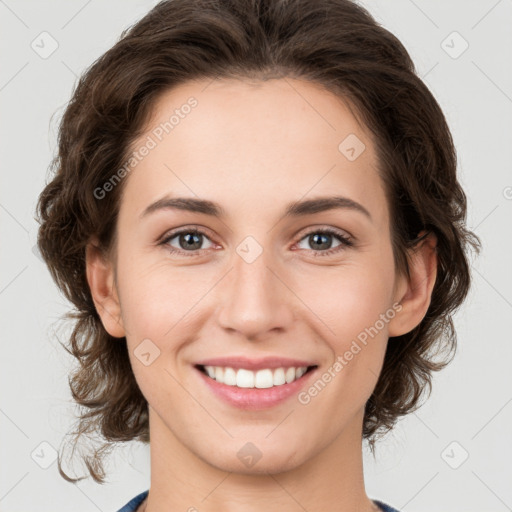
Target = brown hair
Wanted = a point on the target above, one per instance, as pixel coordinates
(334, 43)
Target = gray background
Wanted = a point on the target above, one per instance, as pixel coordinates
(418, 469)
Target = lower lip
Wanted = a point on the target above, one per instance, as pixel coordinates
(256, 398)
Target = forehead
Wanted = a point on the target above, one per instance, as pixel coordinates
(235, 138)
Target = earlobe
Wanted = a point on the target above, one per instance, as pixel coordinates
(100, 276)
(416, 294)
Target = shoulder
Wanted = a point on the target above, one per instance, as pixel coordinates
(132, 505)
(383, 506)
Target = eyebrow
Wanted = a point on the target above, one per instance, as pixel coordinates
(293, 209)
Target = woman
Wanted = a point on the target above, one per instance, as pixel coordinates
(256, 213)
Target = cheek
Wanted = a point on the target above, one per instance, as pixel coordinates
(158, 311)
(349, 298)
(354, 309)
(156, 298)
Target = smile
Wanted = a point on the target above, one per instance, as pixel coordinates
(262, 379)
(254, 389)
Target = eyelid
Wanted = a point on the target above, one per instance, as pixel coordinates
(188, 228)
(346, 240)
(324, 228)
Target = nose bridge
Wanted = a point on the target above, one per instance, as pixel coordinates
(254, 301)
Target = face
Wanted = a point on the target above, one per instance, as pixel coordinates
(275, 279)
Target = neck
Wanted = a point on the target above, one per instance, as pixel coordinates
(331, 480)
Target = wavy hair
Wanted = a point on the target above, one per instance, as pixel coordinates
(334, 43)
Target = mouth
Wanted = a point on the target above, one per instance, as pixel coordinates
(261, 379)
(254, 389)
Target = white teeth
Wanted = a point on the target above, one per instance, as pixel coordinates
(265, 378)
(300, 372)
(244, 379)
(229, 377)
(290, 375)
(279, 378)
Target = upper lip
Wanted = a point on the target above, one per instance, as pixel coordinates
(255, 364)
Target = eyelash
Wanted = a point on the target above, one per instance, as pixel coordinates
(345, 241)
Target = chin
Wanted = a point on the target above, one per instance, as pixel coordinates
(249, 460)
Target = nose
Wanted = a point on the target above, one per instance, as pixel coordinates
(255, 299)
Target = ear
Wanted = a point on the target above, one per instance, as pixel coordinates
(415, 293)
(100, 276)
